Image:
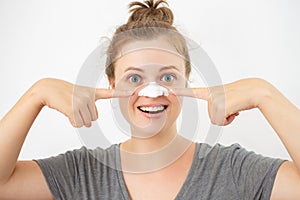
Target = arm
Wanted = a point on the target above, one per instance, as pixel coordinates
(284, 117)
(17, 179)
(24, 179)
(226, 101)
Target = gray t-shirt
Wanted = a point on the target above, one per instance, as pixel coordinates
(222, 173)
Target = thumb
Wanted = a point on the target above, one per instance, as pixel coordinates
(200, 93)
(102, 93)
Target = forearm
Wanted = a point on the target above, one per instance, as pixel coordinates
(13, 130)
(284, 117)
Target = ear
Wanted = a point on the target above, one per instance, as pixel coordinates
(187, 80)
(111, 82)
(187, 83)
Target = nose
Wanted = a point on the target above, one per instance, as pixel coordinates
(153, 90)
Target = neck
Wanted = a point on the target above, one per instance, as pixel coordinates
(154, 153)
(153, 143)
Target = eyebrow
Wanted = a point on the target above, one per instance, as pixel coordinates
(133, 68)
(163, 68)
(169, 67)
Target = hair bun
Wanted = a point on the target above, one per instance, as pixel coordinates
(149, 11)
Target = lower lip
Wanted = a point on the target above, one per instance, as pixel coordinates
(156, 115)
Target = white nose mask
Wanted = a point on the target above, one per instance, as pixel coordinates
(153, 90)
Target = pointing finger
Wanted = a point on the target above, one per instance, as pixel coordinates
(200, 93)
(102, 93)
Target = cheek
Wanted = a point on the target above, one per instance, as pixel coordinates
(175, 85)
(126, 106)
(175, 105)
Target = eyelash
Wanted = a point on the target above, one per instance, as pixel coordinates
(173, 75)
(131, 75)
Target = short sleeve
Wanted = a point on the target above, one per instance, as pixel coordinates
(62, 172)
(253, 174)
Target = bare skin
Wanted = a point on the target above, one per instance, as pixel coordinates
(24, 180)
(282, 115)
(161, 184)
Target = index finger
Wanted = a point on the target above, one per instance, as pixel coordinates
(200, 93)
(102, 93)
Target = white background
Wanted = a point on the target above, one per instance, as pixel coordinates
(251, 38)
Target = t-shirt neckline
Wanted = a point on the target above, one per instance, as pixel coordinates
(183, 188)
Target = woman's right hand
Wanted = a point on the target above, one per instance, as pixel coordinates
(74, 101)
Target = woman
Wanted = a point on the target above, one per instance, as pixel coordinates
(224, 173)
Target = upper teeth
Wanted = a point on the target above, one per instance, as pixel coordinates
(152, 109)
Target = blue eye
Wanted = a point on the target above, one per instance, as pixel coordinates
(168, 78)
(135, 78)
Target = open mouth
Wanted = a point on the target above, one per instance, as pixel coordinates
(152, 109)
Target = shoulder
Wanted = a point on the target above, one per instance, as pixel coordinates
(79, 158)
(219, 150)
(69, 173)
(234, 156)
(252, 175)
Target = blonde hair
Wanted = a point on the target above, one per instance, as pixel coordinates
(148, 20)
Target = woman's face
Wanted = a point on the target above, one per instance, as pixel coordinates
(144, 62)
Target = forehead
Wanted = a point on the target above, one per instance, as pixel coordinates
(141, 53)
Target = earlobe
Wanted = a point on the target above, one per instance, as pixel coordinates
(187, 80)
(186, 83)
(111, 83)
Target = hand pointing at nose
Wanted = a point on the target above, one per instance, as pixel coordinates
(226, 101)
(75, 102)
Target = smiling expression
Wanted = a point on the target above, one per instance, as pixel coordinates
(148, 62)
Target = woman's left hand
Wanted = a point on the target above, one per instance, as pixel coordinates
(226, 101)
